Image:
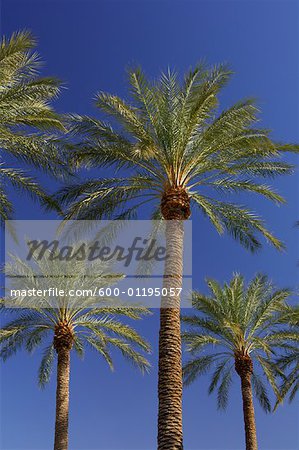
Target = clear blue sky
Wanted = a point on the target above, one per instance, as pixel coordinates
(88, 44)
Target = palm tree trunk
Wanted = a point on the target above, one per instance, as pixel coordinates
(62, 399)
(170, 386)
(248, 411)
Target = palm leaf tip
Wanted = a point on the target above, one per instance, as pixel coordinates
(20, 41)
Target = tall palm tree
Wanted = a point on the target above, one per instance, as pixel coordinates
(238, 327)
(66, 323)
(26, 118)
(170, 148)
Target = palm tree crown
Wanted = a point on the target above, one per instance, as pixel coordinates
(171, 148)
(70, 321)
(26, 118)
(238, 327)
(97, 328)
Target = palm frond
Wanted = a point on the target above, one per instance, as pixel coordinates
(46, 366)
(27, 118)
(260, 392)
(196, 367)
(223, 390)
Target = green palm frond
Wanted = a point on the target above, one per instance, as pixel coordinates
(290, 314)
(288, 362)
(129, 353)
(46, 366)
(223, 390)
(97, 198)
(101, 348)
(6, 207)
(192, 369)
(195, 341)
(260, 392)
(220, 368)
(239, 222)
(24, 184)
(232, 185)
(27, 121)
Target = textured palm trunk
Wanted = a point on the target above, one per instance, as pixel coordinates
(170, 387)
(62, 399)
(244, 369)
(248, 411)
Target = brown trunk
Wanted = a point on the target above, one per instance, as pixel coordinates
(62, 399)
(244, 369)
(170, 433)
(63, 341)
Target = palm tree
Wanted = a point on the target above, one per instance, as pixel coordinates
(170, 148)
(26, 118)
(66, 323)
(238, 327)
